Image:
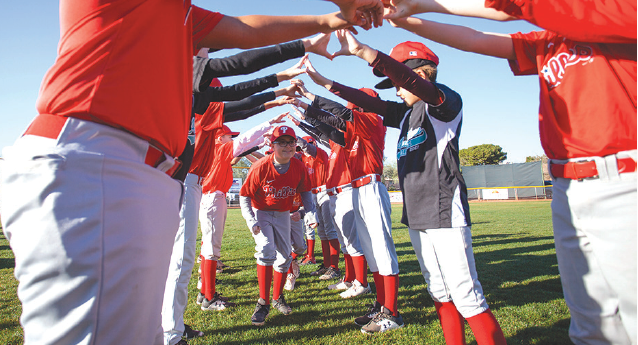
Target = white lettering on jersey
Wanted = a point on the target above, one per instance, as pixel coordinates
(554, 70)
(282, 193)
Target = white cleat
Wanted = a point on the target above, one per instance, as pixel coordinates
(355, 290)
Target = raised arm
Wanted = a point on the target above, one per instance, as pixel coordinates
(396, 9)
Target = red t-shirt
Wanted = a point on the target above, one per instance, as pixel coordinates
(220, 176)
(365, 138)
(108, 69)
(317, 167)
(591, 21)
(206, 128)
(272, 191)
(338, 171)
(587, 93)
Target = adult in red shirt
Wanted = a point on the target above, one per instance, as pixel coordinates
(87, 179)
(266, 198)
(587, 121)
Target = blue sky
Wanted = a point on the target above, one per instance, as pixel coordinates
(499, 108)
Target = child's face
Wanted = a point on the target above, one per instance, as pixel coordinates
(284, 148)
(225, 138)
(407, 96)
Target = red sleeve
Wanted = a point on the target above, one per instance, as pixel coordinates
(526, 48)
(204, 21)
(251, 184)
(304, 182)
(213, 117)
(599, 21)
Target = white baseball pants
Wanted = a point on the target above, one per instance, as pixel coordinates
(325, 227)
(91, 227)
(344, 221)
(212, 216)
(372, 211)
(447, 264)
(297, 242)
(272, 243)
(181, 263)
(595, 235)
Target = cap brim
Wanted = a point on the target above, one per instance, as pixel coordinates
(385, 84)
(234, 134)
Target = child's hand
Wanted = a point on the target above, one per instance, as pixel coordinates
(318, 45)
(256, 230)
(349, 44)
(293, 71)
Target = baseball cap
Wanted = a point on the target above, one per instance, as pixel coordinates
(215, 83)
(225, 130)
(412, 54)
(366, 90)
(281, 131)
(308, 139)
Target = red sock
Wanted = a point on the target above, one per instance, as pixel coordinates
(486, 329)
(349, 267)
(379, 284)
(391, 285)
(360, 266)
(278, 281)
(311, 249)
(264, 278)
(294, 257)
(209, 273)
(325, 250)
(202, 267)
(452, 323)
(334, 253)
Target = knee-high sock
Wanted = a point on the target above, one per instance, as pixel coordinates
(278, 281)
(334, 253)
(294, 257)
(349, 276)
(452, 323)
(325, 250)
(486, 329)
(360, 266)
(311, 249)
(264, 278)
(391, 285)
(208, 275)
(380, 285)
(202, 267)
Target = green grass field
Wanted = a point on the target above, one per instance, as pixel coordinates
(516, 263)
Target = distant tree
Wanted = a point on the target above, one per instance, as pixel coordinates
(543, 159)
(486, 154)
(390, 174)
(241, 173)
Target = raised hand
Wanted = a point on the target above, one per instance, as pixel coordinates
(396, 9)
(364, 13)
(301, 88)
(293, 71)
(290, 91)
(279, 118)
(349, 44)
(316, 77)
(318, 45)
(298, 113)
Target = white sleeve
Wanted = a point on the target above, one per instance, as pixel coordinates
(246, 140)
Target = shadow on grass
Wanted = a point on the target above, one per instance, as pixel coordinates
(7, 263)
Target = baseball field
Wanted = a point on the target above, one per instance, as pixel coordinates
(516, 264)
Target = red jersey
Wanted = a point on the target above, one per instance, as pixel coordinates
(272, 191)
(105, 70)
(587, 93)
(220, 176)
(365, 138)
(338, 171)
(296, 203)
(206, 128)
(599, 21)
(317, 167)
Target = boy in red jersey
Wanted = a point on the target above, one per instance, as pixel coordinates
(586, 66)
(266, 200)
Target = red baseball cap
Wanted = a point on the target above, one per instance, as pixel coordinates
(366, 90)
(412, 54)
(281, 131)
(308, 139)
(215, 83)
(225, 130)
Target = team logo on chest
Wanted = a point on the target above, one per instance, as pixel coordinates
(282, 193)
(411, 141)
(554, 69)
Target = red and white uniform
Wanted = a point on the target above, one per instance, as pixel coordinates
(317, 171)
(102, 105)
(587, 118)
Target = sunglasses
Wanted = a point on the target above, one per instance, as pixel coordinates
(286, 143)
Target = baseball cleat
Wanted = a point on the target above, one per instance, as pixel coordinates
(384, 321)
(308, 261)
(218, 303)
(373, 310)
(261, 312)
(190, 333)
(200, 298)
(320, 271)
(290, 282)
(331, 273)
(355, 290)
(281, 305)
(341, 285)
